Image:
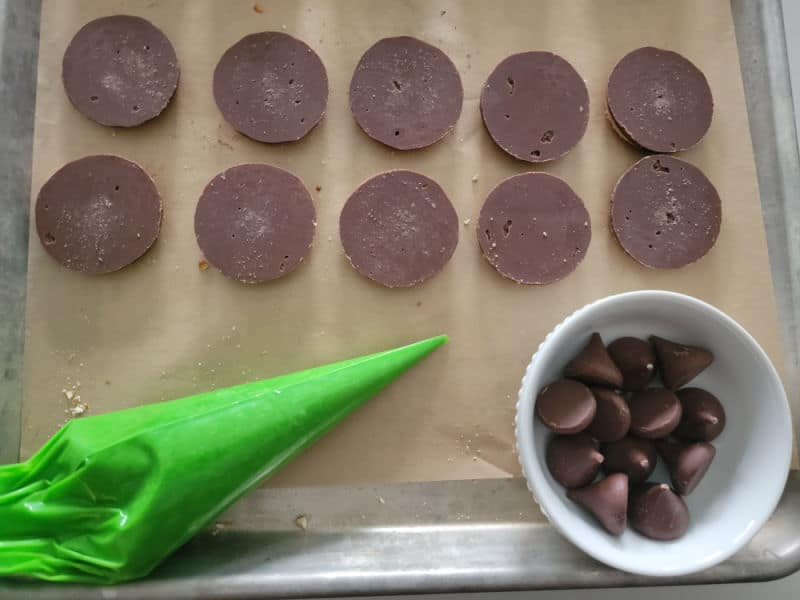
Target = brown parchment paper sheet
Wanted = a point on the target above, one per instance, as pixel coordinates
(163, 328)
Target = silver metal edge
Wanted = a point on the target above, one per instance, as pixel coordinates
(764, 62)
(19, 51)
(469, 536)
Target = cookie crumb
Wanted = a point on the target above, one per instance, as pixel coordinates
(76, 407)
(318, 188)
(301, 521)
(381, 500)
(218, 527)
(202, 265)
(474, 178)
(257, 8)
(467, 222)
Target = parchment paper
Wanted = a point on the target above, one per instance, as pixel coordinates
(163, 328)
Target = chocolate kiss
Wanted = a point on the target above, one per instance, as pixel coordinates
(679, 364)
(687, 463)
(594, 366)
(633, 456)
(607, 500)
(566, 406)
(703, 417)
(612, 418)
(658, 513)
(655, 413)
(573, 460)
(636, 361)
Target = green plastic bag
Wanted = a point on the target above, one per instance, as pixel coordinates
(110, 496)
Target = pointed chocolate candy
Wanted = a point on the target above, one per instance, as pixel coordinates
(573, 460)
(657, 512)
(655, 413)
(636, 359)
(703, 417)
(613, 417)
(594, 366)
(607, 500)
(566, 406)
(678, 363)
(633, 456)
(687, 463)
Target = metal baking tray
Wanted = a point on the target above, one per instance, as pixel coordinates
(430, 537)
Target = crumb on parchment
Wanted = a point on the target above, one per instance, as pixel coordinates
(257, 8)
(76, 407)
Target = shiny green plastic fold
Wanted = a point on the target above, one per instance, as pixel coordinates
(110, 496)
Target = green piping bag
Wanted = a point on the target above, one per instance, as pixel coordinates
(108, 497)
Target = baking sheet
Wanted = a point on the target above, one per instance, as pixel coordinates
(163, 328)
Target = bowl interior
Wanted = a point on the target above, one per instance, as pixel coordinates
(744, 483)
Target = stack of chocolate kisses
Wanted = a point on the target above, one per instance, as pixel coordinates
(608, 416)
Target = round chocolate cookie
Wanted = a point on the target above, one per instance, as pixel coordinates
(398, 228)
(665, 213)
(255, 222)
(271, 87)
(535, 106)
(534, 229)
(659, 100)
(405, 93)
(98, 214)
(120, 71)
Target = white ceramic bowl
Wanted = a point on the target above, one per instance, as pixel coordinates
(744, 483)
